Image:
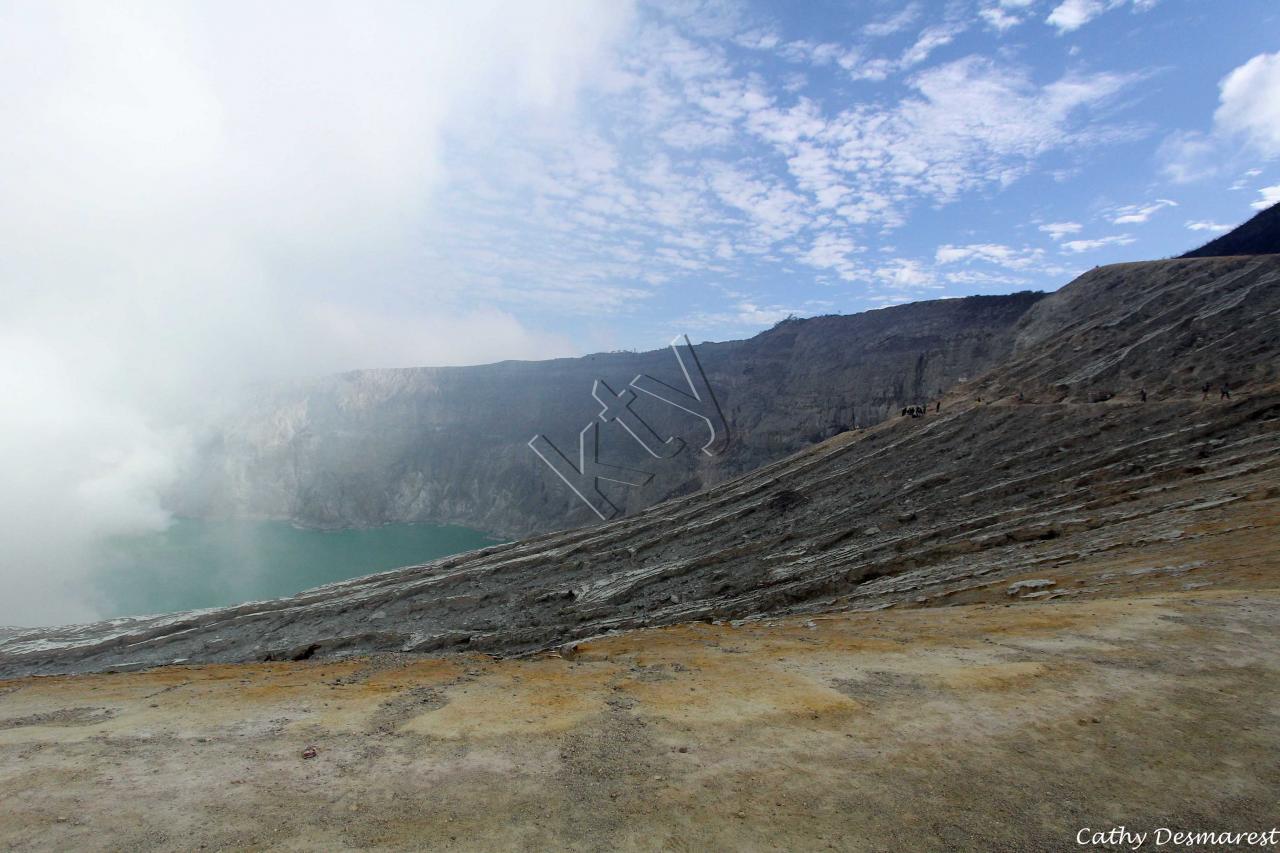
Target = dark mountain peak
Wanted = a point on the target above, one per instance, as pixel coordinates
(1259, 236)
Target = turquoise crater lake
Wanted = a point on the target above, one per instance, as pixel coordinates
(196, 564)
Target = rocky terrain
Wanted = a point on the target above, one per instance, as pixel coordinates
(984, 494)
(450, 445)
(982, 727)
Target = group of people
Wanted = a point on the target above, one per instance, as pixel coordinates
(1224, 393)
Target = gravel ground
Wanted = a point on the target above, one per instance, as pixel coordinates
(986, 726)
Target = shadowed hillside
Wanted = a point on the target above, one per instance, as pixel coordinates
(1259, 236)
(449, 445)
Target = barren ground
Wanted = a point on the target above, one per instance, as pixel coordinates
(1147, 698)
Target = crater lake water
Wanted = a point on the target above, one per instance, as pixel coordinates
(196, 563)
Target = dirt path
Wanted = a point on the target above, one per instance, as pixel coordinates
(985, 727)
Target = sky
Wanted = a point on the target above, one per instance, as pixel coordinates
(199, 197)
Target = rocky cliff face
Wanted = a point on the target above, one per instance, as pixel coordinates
(451, 444)
(1002, 494)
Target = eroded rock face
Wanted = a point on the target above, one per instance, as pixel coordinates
(1168, 327)
(448, 445)
(915, 511)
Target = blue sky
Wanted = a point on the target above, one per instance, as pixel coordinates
(746, 162)
(233, 191)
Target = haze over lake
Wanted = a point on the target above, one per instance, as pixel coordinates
(195, 564)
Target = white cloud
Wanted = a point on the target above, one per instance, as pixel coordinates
(1188, 155)
(1250, 104)
(833, 251)
(970, 123)
(743, 317)
(998, 18)
(1075, 247)
(758, 39)
(200, 195)
(1270, 195)
(992, 253)
(1247, 120)
(904, 274)
(776, 212)
(1242, 182)
(1138, 213)
(1204, 225)
(928, 41)
(894, 23)
(964, 125)
(1058, 230)
(980, 278)
(1071, 15)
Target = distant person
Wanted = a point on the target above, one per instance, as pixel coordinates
(1205, 391)
(937, 407)
(1142, 393)
(1226, 392)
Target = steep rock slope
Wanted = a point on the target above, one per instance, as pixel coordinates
(911, 512)
(450, 444)
(1166, 326)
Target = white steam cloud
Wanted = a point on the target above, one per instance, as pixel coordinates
(195, 196)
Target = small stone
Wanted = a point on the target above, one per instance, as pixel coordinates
(683, 749)
(1027, 585)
